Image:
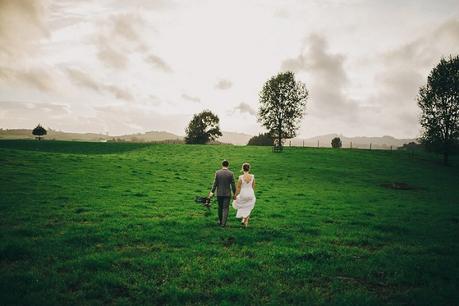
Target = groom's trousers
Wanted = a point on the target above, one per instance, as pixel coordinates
(223, 208)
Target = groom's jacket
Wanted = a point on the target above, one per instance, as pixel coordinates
(224, 183)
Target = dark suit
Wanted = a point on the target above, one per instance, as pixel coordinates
(224, 183)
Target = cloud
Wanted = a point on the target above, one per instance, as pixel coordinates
(120, 93)
(405, 69)
(245, 108)
(281, 13)
(37, 78)
(142, 4)
(22, 105)
(224, 84)
(328, 78)
(158, 62)
(109, 55)
(153, 100)
(190, 98)
(82, 79)
(120, 120)
(119, 37)
(116, 120)
(22, 24)
(21, 114)
(125, 25)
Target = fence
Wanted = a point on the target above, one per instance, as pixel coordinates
(345, 145)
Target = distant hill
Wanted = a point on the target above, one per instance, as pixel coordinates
(59, 135)
(384, 142)
(149, 137)
(363, 142)
(234, 138)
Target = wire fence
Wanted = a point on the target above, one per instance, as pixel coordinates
(344, 145)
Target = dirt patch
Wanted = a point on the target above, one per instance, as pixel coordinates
(228, 241)
(399, 186)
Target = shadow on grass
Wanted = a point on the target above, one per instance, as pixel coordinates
(73, 147)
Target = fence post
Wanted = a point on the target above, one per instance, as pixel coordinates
(391, 148)
(370, 146)
(289, 143)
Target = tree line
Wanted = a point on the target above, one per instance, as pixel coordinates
(282, 105)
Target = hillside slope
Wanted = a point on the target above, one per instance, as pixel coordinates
(116, 223)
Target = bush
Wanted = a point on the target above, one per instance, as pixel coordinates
(261, 140)
(336, 143)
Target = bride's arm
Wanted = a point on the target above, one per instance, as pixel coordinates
(238, 188)
(253, 184)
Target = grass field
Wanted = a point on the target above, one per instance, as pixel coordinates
(107, 223)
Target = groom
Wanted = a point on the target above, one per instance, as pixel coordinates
(224, 179)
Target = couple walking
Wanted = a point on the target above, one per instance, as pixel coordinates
(243, 193)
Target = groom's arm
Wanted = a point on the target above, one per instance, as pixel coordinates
(233, 186)
(214, 186)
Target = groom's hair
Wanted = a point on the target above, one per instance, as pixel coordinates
(225, 163)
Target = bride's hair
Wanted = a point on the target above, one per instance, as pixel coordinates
(245, 167)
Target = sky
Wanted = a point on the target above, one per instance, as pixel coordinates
(120, 67)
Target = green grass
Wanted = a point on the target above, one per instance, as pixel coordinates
(92, 223)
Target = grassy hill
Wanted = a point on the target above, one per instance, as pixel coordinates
(115, 223)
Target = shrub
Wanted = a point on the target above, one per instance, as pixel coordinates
(336, 143)
(261, 140)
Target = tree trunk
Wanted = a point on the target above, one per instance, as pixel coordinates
(445, 158)
(279, 138)
(445, 152)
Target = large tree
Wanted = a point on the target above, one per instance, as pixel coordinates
(203, 128)
(39, 132)
(282, 105)
(439, 102)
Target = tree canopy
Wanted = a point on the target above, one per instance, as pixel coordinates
(203, 128)
(282, 105)
(261, 140)
(439, 103)
(39, 131)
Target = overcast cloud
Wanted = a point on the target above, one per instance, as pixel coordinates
(134, 66)
(224, 84)
(245, 108)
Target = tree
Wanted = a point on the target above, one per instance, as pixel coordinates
(203, 128)
(261, 140)
(282, 106)
(336, 143)
(439, 103)
(39, 132)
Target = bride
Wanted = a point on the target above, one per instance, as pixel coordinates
(244, 198)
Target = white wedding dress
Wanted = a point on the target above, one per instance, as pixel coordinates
(245, 201)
